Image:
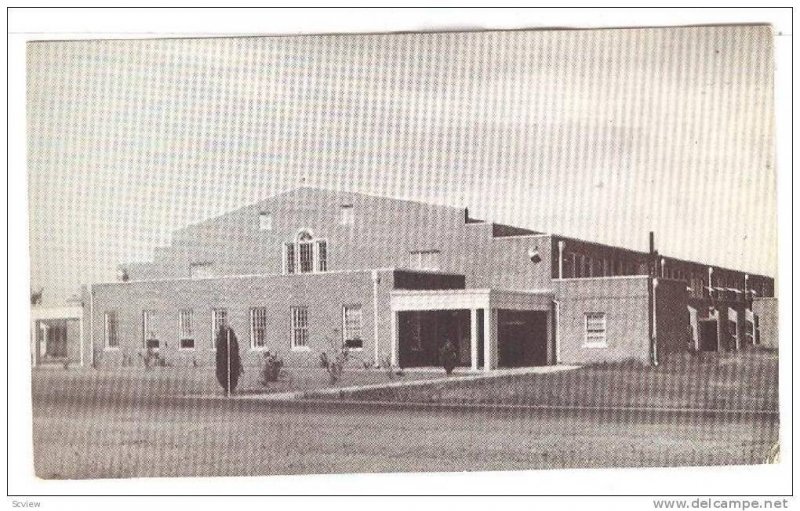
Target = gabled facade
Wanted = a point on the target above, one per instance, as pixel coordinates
(309, 270)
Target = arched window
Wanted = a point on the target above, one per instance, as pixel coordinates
(305, 254)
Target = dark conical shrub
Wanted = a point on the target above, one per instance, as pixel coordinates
(227, 343)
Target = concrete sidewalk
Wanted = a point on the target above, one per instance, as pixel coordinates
(342, 392)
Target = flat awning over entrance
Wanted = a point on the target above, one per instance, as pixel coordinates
(454, 299)
(506, 327)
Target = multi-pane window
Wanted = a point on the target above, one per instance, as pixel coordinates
(322, 255)
(299, 327)
(288, 258)
(305, 255)
(424, 260)
(306, 250)
(219, 319)
(352, 319)
(346, 214)
(265, 221)
(186, 329)
(112, 341)
(258, 328)
(149, 338)
(595, 323)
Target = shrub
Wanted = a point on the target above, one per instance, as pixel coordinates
(152, 358)
(448, 357)
(335, 367)
(386, 365)
(229, 363)
(270, 368)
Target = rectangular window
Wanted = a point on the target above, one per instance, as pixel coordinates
(288, 258)
(299, 327)
(265, 221)
(346, 215)
(424, 260)
(186, 329)
(219, 319)
(112, 341)
(201, 270)
(351, 327)
(149, 338)
(595, 330)
(322, 255)
(258, 328)
(306, 257)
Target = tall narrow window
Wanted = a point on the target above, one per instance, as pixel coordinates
(306, 257)
(322, 256)
(346, 214)
(351, 327)
(112, 341)
(186, 329)
(288, 258)
(219, 319)
(299, 328)
(265, 221)
(595, 323)
(149, 338)
(258, 328)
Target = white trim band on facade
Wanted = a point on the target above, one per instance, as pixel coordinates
(453, 299)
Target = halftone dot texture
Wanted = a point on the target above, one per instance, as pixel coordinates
(602, 135)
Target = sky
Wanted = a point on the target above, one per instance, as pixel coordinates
(602, 135)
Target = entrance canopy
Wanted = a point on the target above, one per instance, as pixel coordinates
(453, 299)
(484, 306)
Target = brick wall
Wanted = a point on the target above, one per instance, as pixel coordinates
(324, 294)
(624, 300)
(384, 233)
(767, 311)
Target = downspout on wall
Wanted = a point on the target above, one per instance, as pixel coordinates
(375, 281)
(651, 293)
(557, 332)
(91, 325)
(653, 324)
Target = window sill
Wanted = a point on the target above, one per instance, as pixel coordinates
(355, 349)
(300, 348)
(257, 348)
(187, 349)
(111, 348)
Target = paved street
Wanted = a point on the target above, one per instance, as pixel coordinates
(104, 438)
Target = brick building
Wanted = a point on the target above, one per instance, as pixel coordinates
(310, 269)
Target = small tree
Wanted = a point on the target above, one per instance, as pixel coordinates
(448, 357)
(334, 367)
(229, 363)
(270, 369)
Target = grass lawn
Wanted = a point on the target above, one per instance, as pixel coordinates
(101, 424)
(732, 381)
(98, 439)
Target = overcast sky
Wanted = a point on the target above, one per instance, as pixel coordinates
(599, 134)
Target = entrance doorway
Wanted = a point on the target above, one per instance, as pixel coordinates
(52, 336)
(423, 333)
(708, 334)
(521, 338)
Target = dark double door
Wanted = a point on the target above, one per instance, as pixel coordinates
(521, 338)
